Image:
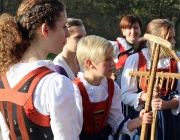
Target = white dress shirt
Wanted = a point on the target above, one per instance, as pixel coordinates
(59, 60)
(100, 93)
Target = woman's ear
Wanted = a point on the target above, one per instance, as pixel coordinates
(89, 64)
(44, 29)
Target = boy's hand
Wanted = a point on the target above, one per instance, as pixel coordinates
(113, 76)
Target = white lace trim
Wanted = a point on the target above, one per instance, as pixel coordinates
(124, 43)
(92, 87)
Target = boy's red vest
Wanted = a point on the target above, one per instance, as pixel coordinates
(95, 114)
(172, 69)
(17, 108)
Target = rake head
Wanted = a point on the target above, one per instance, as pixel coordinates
(166, 48)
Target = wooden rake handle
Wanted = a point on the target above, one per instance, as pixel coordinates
(167, 49)
(150, 91)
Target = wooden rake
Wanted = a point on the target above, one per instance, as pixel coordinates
(159, 46)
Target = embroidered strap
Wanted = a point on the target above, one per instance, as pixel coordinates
(25, 99)
(12, 95)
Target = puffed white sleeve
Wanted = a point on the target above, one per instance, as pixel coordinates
(129, 91)
(177, 110)
(116, 50)
(4, 128)
(54, 96)
(115, 115)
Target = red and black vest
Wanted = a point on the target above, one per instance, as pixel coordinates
(95, 114)
(17, 108)
(172, 68)
(122, 58)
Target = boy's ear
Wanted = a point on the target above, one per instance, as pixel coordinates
(44, 29)
(89, 64)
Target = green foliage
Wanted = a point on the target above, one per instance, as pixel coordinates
(101, 17)
(9, 6)
(51, 56)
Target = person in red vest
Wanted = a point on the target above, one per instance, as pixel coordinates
(168, 103)
(99, 95)
(36, 102)
(131, 27)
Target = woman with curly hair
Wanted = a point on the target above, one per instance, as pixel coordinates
(35, 102)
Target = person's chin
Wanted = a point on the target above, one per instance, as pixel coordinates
(109, 75)
(59, 50)
(133, 39)
(64, 43)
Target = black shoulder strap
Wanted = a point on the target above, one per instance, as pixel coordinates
(125, 52)
(116, 135)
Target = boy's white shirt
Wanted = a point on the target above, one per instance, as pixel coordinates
(100, 93)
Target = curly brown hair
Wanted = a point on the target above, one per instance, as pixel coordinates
(16, 32)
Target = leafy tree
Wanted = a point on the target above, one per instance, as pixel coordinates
(101, 17)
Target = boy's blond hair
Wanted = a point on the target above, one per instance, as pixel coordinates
(94, 48)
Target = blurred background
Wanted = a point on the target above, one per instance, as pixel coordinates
(101, 17)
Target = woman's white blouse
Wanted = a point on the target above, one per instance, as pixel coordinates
(116, 47)
(54, 96)
(129, 92)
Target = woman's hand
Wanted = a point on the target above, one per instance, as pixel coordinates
(145, 117)
(158, 104)
(156, 92)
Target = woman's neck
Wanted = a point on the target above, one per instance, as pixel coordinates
(32, 55)
(130, 43)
